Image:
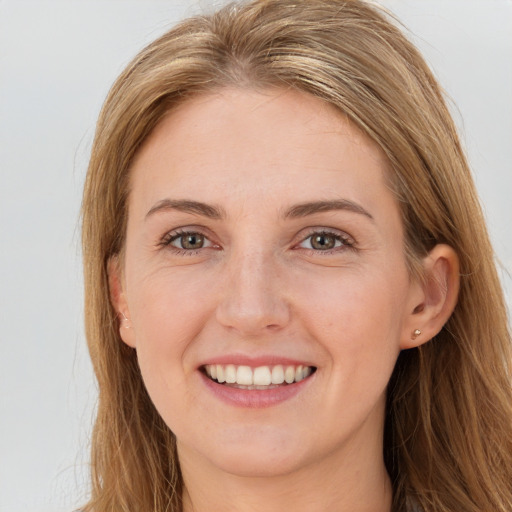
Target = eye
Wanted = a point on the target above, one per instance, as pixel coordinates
(187, 241)
(326, 241)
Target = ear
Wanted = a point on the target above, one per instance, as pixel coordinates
(433, 299)
(118, 298)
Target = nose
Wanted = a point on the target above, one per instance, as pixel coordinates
(253, 296)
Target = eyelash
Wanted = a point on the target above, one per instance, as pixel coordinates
(346, 242)
(175, 235)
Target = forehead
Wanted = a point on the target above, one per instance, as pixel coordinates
(251, 143)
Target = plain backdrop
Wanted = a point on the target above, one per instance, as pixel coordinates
(57, 61)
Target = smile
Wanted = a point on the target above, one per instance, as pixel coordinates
(261, 377)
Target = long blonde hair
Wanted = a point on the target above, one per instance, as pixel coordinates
(448, 432)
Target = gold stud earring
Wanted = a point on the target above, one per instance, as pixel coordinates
(416, 333)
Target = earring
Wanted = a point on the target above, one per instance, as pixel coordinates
(416, 333)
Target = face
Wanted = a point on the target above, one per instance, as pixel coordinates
(264, 282)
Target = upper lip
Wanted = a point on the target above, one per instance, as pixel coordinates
(255, 361)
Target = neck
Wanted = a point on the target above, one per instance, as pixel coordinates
(356, 484)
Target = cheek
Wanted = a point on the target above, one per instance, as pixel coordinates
(169, 311)
(167, 318)
(170, 306)
(357, 317)
(349, 298)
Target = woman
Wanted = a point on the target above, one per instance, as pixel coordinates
(291, 298)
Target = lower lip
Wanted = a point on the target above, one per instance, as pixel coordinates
(255, 398)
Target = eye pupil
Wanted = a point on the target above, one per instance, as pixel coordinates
(322, 242)
(192, 241)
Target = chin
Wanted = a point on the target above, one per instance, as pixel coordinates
(260, 465)
(263, 452)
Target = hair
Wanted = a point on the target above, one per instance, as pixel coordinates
(448, 426)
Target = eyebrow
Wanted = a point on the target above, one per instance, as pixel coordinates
(305, 209)
(296, 211)
(187, 206)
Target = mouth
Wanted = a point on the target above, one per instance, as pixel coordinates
(258, 378)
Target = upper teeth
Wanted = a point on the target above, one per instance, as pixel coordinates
(260, 376)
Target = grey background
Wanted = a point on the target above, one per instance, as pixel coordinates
(57, 61)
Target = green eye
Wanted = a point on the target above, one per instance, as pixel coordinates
(193, 241)
(326, 241)
(323, 241)
(188, 241)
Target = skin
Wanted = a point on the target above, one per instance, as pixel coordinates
(258, 288)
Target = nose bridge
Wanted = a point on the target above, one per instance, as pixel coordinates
(253, 299)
